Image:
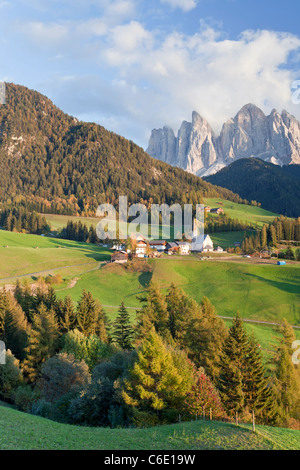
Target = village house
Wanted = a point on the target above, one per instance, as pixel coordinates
(219, 249)
(172, 248)
(141, 249)
(207, 209)
(217, 210)
(159, 245)
(120, 257)
(184, 248)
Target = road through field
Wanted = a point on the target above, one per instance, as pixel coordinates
(247, 320)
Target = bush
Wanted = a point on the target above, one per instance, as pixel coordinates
(89, 349)
(10, 376)
(24, 397)
(62, 374)
(101, 403)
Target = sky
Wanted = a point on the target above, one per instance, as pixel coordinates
(135, 65)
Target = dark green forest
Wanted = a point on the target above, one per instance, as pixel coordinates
(276, 188)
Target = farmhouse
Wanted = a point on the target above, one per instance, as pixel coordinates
(119, 257)
(141, 249)
(172, 247)
(184, 248)
(159, 245)
(217, 210)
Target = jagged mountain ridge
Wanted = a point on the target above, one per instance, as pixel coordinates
(274, 138)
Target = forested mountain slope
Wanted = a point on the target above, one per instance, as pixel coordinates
(276, 188)
(62, 165)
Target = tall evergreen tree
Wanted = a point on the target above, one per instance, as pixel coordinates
(122, 329)
(90, 317)
(15, 327)
(232, 364)
(259, 391)
(153, 313)
(42, 342)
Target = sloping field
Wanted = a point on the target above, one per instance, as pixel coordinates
(20, 431)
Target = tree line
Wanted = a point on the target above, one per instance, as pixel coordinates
(70, 363)
(19, 219)
(280, 230)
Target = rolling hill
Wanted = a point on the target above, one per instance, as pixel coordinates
(276, 188)
(20, 431)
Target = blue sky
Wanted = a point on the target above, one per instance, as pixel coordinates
(132, 65)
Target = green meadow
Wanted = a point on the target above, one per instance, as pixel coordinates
(243, 212)
(258, 292)
(22, 254)
(20, 431)
(261, 292)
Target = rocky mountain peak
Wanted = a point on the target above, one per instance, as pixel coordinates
(274, 138)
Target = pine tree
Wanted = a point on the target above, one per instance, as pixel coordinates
(15, 327)
(90, 317)
(259, 391)
(178, 306)
(66, 314)
(122, 330)
(263, 235)
(232, 364)
(153, 313)
(42, 342)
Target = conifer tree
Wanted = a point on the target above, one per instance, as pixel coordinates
(42, 341)
(259, 392)
(160, 378)
(232, 364)
(178, 306)
(15, 327)
(122, 329)
(90, 317)
(153, 313)
(66, 314)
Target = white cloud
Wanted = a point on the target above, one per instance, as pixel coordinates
(139, 79)
(185, 5)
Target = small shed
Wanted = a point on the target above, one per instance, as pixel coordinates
(281, 263)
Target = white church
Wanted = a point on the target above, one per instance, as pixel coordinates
(201, 242)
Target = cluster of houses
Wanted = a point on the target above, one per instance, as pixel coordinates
(152, 248)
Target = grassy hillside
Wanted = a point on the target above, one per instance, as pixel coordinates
(243, 212)
(24, 254)
(259, 291)
(19, 431)
(276, 188)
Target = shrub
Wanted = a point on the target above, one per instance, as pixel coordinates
(10, 376)
(89, 349)
(24, 397)
(62, 374)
